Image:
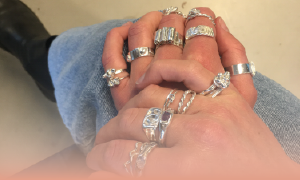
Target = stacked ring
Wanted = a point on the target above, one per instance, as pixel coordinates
(110, 76)
(221, 81)
(195, 12)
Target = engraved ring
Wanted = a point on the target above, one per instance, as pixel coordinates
(150, 123)
(242, 69)
(168, 35)
(140, 52)
(199, 31)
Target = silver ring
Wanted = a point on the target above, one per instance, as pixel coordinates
(150, 123)
(110, 73)
(129, 162)
(170, 99)
(199, 31)
(164, 122)
(188, 103)
(197, 13)
(173, 10)
(140, 52)
(242, 69)
(221, 81)
(168, 35)
(142, 157)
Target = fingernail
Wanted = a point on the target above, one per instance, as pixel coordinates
(141, 79)
(223, 25)
(127, 23)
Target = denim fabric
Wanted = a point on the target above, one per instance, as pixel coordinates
(85, 102)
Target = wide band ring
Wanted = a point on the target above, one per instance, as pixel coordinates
(199, 31)
(140, 52)
(197, 13)
(150, 123)
(242, 69)
(164, 122)
(221, 81)
(168, 35)
(173, 10)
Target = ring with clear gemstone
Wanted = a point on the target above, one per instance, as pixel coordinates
(197, 13)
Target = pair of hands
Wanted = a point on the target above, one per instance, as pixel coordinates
(216, 137)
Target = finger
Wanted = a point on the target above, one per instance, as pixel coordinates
(141, 34)
(129, 126)
(168, 51)
(111, 157)
(104, 175)
(233, 52)
(112, 59)
(190, 72)
(203, 49)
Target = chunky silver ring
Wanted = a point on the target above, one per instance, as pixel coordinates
(197, 13)
(141, 159)
(164, 122)
(170, 99)
(221, 81)
(242, 69)
(173, 10)
(132, 154)
(140, 52)
(168, 35)
(150, 123)
(188, 103)
(199, 31)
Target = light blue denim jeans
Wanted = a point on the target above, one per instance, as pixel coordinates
(85, 102)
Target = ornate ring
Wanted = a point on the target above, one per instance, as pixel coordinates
(140, 52)
(150, 123)
(129, 162)
(170, 99)
(194, 13)
(221, 81)
(188, 103)
(242, 69)
(168, 35)
(173, 10)
(110, 76)
(164, 122)
(199, 31)
(142, 157)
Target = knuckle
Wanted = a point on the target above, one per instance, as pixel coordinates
(138, 28)
(128, 117)
(113, 151)
(147, 94)
(170, 19)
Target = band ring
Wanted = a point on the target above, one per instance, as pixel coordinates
(199, 31)
(197, 13)
(150, 123)
(140, 52)
(168, 35)
(221, 81)
(242, 69)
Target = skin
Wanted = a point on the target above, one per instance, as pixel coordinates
(221, 135)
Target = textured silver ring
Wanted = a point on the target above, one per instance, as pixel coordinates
(168, 35)
(199, 31)
(150, 123)
(221, 81)
(242, 69)
(188, 103)
(132, 154)
(140, 52)
(173, 10)
(141, 159)
(164, 122)
(170, 99)
(197, 13)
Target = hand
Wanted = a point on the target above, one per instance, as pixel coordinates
(202, 49)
